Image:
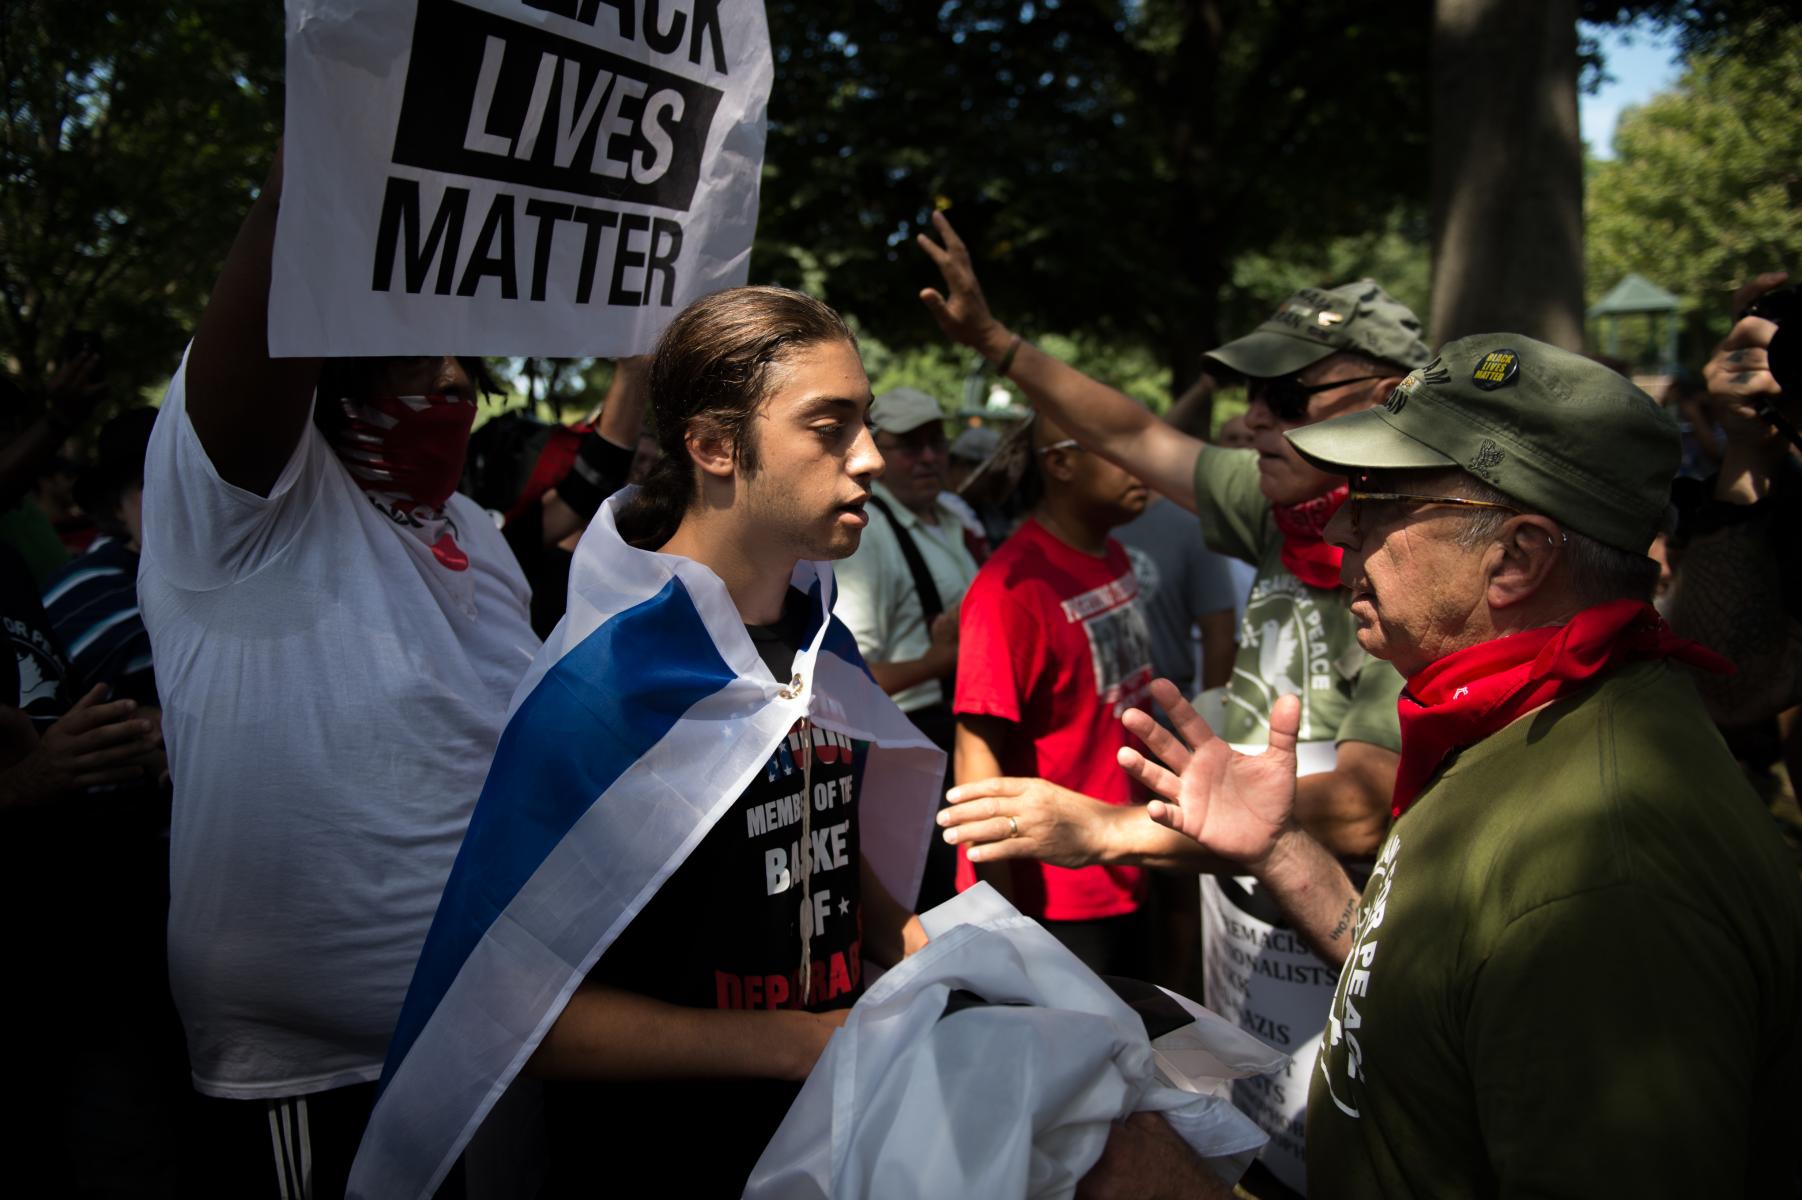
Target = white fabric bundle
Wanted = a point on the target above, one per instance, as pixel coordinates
(1012, 1098)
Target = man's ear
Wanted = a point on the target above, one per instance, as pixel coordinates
(1378, 390)
(712, 453)
(1058, 466)
(1522, 558)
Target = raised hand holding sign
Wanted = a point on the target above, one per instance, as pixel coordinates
(513, 176)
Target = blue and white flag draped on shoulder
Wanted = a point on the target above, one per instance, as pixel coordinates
(641, 721)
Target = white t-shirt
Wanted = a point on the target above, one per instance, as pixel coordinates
(877, 599)
(331, 699)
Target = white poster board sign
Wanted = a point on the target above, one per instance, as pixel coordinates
(548, 177)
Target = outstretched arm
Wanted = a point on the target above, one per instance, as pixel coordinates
(1062, 828)
(1242, 808)
(1102, 419)
(605, 1033)
(248, 409)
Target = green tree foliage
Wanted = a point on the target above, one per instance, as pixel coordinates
(1393, 253)
(1107, 161)
(1705, 189)
(130, 137)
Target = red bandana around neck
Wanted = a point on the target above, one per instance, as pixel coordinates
(1468, 695)
(1305, 552)
(406, 453)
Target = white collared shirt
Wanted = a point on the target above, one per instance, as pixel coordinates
(877, 600)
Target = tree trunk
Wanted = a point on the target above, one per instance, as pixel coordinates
(1507, 171)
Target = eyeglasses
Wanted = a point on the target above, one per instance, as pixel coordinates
(1355, 501)
(1066, 444)
(1287, 398)
(914, 441)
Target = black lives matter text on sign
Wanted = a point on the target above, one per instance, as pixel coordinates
(495, 99)
(507, 101)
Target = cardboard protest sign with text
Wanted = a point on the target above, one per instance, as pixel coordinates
(555, 177)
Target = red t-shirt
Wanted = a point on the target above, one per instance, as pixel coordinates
(1052, 639)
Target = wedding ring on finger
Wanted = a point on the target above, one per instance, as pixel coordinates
(1013, 827)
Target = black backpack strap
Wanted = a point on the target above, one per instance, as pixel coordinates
(930, 604)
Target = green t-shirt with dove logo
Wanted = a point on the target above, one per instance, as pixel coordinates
(1295, 639)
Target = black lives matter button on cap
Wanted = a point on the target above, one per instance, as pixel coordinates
(1496, 369)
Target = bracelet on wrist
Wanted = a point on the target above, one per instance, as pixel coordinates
(1007, 358)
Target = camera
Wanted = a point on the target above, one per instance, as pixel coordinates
(1782, 307)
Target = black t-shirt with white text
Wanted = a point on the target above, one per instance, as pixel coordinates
(726, 931)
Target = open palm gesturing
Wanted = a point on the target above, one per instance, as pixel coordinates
(1236, 805)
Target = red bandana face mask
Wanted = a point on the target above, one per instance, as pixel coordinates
(406, 453)
(1305, 551)
(1468, 695)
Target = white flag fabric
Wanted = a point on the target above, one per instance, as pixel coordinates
(555, 177)
(638, 725)
(994, 1063)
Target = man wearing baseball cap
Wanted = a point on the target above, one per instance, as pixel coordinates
(1322, 353)
(899, 593)
(1577, 968)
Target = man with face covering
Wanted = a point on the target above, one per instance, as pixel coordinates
(337, 636)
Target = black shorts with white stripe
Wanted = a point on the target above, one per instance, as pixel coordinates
(294, 1148)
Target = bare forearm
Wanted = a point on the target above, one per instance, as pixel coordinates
(608, 1034)
(1193, 411)
(1339, 813)
(1748, 470)
(1103, 419)
(895, 677)
(1218, 647)
(248, 409)
(622, 415)
(890, 930)
(1126, 837)
(977, 754)
(1314, 893)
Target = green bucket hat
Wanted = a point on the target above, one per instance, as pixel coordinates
(1564, 435)
(1314, 323)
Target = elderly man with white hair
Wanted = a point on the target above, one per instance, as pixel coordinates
(1577, 969)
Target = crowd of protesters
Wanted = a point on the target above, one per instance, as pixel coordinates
(1472, 849)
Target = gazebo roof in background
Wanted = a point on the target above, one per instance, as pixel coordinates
(1633, 295)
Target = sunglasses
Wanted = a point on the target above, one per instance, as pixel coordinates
(1287, 398)
(1355, 502)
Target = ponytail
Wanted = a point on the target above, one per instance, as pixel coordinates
(650, 518)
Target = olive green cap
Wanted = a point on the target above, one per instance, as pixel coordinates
(903, 410)
(1314, 323)
(1562, 434)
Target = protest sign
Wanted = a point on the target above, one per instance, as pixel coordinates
(555, 177)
